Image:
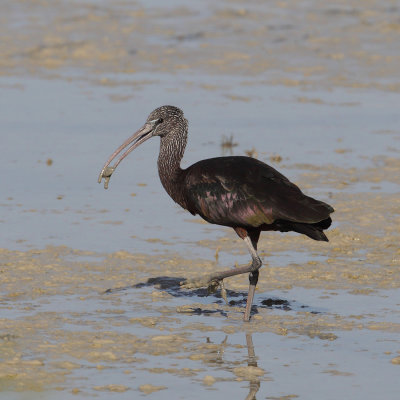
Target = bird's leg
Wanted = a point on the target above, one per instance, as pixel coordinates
(212, 281)
(251, 242)
(253, 279)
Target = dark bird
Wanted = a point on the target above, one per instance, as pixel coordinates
(241, 192)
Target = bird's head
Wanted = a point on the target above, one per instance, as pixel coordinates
(161, 122)
(165, 120)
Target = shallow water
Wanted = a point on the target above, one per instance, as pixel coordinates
(64, 195)
(310, 88)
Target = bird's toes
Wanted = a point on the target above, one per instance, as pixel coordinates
(189, 284)
(205, 281)
(213, 286)
(224, 294)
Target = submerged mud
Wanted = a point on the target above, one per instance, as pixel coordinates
(299, 43)
(62, 316)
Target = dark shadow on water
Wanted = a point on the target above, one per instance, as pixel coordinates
(171, 285)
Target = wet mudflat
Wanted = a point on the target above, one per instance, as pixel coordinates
(309, 88)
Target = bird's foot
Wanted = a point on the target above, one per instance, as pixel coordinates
(208, 281)
(223, 292)
(106, 174)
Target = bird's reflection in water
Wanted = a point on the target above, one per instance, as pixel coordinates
(252, 362)
(220, 351)
(254, 380)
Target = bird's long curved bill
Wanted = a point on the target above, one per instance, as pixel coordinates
(134, 141)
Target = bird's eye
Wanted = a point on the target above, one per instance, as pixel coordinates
(160, 120)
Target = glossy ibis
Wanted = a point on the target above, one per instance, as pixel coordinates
(240, 192)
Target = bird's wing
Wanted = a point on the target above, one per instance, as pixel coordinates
(243, 191)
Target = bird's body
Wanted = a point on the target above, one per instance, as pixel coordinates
(245, 192)
(240, 192)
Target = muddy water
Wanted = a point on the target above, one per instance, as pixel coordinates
(310, 88)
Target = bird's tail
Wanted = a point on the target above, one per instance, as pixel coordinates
(314, 231)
